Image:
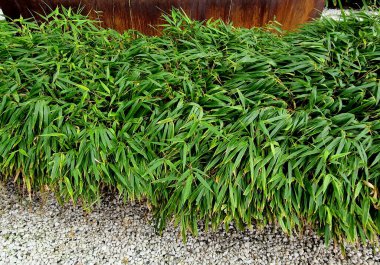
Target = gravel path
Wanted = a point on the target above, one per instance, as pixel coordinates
(337, 13)
(42, 232)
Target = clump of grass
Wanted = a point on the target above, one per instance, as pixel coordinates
(206, 122)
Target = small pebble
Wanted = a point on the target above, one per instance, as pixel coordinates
(119, 233)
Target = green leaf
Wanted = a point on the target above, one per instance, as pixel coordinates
(52, 135)
(365, 208)
(198, 175)
(82, 87)
(69, 187)
(187, 189)
(23, 152)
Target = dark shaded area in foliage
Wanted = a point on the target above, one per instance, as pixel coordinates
(356, 4)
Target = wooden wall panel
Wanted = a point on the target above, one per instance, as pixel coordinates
(140, 14)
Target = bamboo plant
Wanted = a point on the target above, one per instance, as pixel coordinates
(206, 122)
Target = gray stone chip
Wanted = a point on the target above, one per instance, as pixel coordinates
(42, 232)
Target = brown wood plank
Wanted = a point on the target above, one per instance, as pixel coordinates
(141, 14)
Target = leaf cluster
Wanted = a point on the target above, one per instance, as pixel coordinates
(206, 122)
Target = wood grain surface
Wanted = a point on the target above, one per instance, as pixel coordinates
(142, 14)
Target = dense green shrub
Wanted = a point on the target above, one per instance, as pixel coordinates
(206, 122)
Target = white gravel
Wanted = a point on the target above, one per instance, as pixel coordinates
(337, 13)
(333, 13)
(42, 232)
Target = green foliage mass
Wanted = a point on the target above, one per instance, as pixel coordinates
(206, 122)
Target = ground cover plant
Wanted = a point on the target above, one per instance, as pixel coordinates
(206, 122)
